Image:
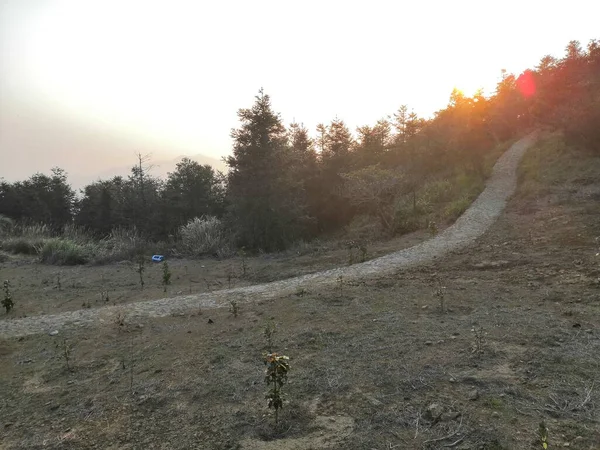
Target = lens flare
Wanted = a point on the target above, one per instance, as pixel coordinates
(526, 84)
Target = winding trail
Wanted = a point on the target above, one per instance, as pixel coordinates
(470, 226)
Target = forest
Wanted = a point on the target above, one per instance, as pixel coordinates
(288, 184)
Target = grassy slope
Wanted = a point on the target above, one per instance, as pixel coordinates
(368, 359)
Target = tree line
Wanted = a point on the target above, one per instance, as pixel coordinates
(284, 184)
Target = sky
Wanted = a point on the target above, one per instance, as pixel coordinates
(86, 84)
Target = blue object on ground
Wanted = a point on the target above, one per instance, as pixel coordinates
(158, 258)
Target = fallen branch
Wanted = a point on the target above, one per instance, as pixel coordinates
(446, 437)
(454, 444)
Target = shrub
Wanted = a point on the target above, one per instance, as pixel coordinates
(166, 275)
(455, 208)
(23, 245)
(4, 257)
(406, 219)
(6, 224)
(76, 234)
(23, 239)
(8, 302)
(64, 252)
(437, 191)
(122, 244)
(201, 235)
(276, 376)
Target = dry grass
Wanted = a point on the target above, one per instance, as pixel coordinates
(378, 366)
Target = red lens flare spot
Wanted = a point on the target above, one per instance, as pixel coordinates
(526, 84)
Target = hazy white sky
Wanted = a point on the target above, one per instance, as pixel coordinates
(170, 75)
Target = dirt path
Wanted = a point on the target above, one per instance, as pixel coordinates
(471, 225)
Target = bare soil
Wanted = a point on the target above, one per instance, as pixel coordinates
(41, 289)
(375, 364)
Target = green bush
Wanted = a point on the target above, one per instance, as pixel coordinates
(63, 252)
(436, 192)
(457, 207)
(406, 217)
(469, 183)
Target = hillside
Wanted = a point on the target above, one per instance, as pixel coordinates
(472, 351)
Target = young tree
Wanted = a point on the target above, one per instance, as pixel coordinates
(373, 191)
(142, 199)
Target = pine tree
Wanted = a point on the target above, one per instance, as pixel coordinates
(265, 209)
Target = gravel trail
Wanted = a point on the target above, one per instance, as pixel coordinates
(470, 226)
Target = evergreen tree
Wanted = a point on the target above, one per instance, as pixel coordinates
(265, 210)
(372, 143)
(192, 190)
(41, 199)
(333, 209)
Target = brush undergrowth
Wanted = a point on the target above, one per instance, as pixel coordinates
(74, 246)
(436, 201)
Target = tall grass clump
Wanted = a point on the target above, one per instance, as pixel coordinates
(122, 244)
(76, 234)
(202, 235)
(20, 245)
(6, 224)
(64, 252)
(24, 239)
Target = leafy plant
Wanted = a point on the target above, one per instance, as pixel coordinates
(166, 276)
(7, 302)
(276, 375)
(140, 269)
(478, 340)
(242, 254)
(234, 308)
(543, 435)
(229, 275)
(120, 320)
(362, 247)
(67, 351)
(440, 293)
(131, 364)
(350, 247)
(340, 281)
(432, 228)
